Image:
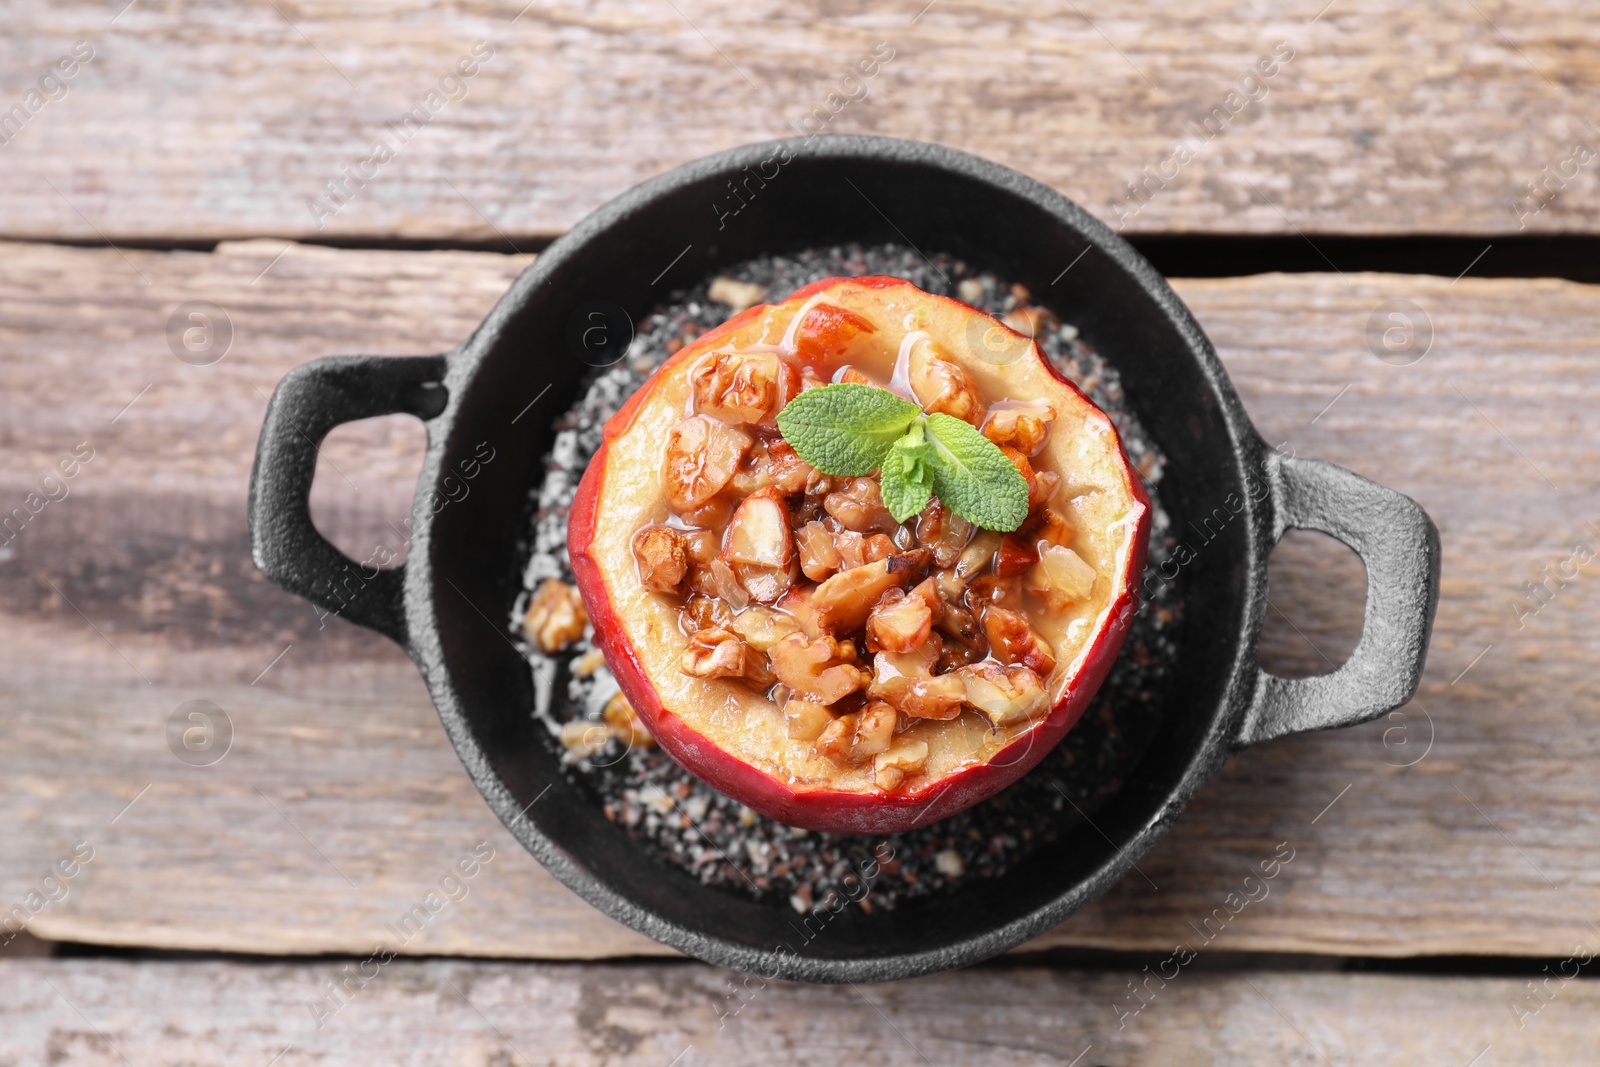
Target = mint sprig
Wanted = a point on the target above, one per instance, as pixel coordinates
(846, 429)
(850, 429)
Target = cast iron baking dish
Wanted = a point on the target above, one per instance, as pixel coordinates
(450, 604)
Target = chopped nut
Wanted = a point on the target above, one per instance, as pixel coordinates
(906, 682)
(834, 740)
(942, 386)
(877, 546)
(1016, 555)
(844, 601)
(623, 723)
(943, 531)
(819, 557)
(1030, 321)
(701, 546)
(905, 757)
(736, 294)
(1061, 577)
(758, 546)
(970, 290)
(762, 627)
(961, 624)
(725, 584)
(950, 864)
(934, 698)
(702, 612)
(899, 623)
(786, 469)
(1024, 428)
(874, 730)
(1006, 695)
(858, 736)
(717, 653)
(976, 556)
(989, 589)
(1046, 526)
(800, 605)
(659, 553)
(822, 669)
(805, 719)
(556, 616)
(586, 665)
(1044, 488)
(583, 739)
(702, 454)
(743, 387)
(1013, 640)
(858, 505)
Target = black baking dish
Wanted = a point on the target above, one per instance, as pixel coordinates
(463, 573)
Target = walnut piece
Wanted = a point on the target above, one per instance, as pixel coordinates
(858, 505)
(818, 555)
(823, 669)
(759, 546)
(719, 653)
(844, 601)
(943, 531)
(743, 387)
(1022, 428)
(702, 454)
(858, 736)
(901, 622)
(891, 767)
(906, 682)
(583, 738)
(1013, 640)
(736, 294)
(661, 558)
(556, 616)
(623, 723)
(805, 719)
(1006, 695)
(941, 386)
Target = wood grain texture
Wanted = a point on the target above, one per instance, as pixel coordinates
(225, 122)
(341, 803)
(483, 1014)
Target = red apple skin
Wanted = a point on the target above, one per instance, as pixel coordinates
(821, 809)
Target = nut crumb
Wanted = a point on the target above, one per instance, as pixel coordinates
(585, 665)
(556, 616)
(737, 295)
(950, 864)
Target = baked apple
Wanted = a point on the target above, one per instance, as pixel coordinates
(869, 626)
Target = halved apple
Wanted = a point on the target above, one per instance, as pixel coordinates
(783, 637)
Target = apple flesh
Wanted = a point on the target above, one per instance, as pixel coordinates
(1054, 598)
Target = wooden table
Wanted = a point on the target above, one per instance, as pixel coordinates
(1445, 856)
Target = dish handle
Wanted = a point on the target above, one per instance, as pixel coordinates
(310, 401)
(1399, 545)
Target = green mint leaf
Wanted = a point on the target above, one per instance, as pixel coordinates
(907, 479)
(973, 477)
(845, 429)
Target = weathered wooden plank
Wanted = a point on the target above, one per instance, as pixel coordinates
(341, 802)
(227, 122)
(409, 1012)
